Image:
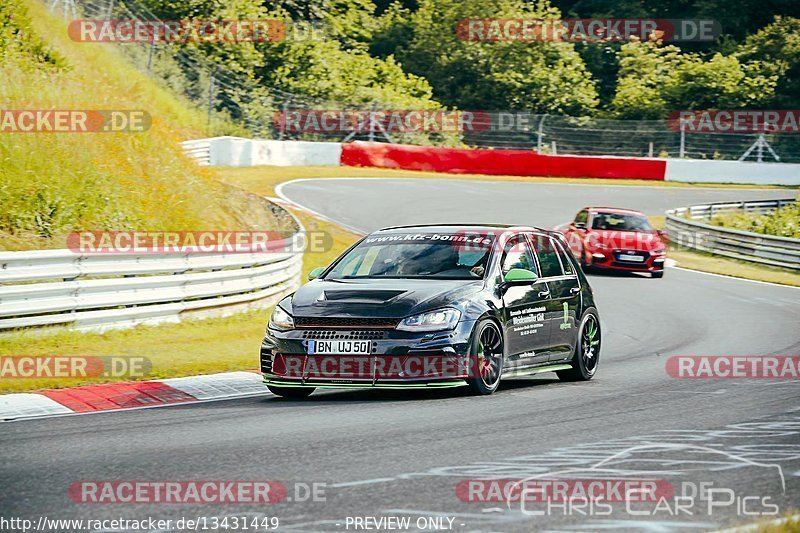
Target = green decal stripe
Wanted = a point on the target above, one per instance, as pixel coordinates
(537, 370)
(325, 385)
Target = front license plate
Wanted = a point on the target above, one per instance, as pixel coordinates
(631, 258)
(340, 347)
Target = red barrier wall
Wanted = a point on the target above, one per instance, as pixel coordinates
(508, 162)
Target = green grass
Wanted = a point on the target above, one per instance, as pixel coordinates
(715, 264)
(191, 347)
(55, 183)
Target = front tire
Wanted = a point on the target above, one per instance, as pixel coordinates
(291, 392)
(658, 274)
(485, 358)
(587, 350)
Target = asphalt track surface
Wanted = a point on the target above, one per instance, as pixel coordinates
(402, 454)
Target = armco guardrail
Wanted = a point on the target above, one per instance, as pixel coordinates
(684, 229)
(98, 291)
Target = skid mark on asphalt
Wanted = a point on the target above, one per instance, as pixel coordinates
(737, 455)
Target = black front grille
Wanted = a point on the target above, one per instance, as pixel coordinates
(344, 322)
(363, 334)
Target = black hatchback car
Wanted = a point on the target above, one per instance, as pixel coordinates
(436, 306)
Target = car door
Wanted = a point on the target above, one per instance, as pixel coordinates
(526, 328)
(565, 298)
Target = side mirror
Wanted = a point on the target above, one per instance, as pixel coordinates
(519, 276)
(663, 235)
(579, 225)
(314, 274)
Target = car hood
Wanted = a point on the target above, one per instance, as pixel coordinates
(390, 298)
(643, 241)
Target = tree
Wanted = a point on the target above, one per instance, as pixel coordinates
(655, 79)
(547, 77)
(240, 57)
(644, 70)
(775, 51)
(323, 71)
(351, 22)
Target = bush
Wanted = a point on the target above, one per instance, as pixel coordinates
(784, 222)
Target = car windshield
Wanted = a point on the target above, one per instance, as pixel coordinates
(426, 255)
(620, 222)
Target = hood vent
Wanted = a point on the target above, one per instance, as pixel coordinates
(359, 296)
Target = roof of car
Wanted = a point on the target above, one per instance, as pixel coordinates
(434, 228)
(613, 209)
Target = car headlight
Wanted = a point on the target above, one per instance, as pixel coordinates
(660, 251)
(431, 321)
(280, 319)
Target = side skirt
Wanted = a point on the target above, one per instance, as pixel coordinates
(516, 372)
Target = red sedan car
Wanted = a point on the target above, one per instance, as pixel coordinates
(616, 239)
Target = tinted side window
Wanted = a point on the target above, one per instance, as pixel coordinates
(565, 262)
(517, 254)
(582, 217)
(548, 256)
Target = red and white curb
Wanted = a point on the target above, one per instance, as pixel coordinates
(131, 395)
